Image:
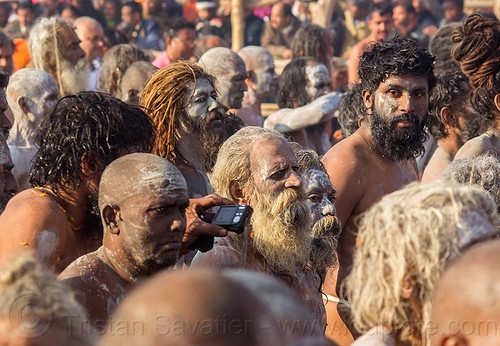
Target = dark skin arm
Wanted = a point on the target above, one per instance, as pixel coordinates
(196, 227)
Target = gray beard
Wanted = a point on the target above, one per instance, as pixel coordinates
(74, 78)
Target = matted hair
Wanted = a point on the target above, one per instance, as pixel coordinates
(309, 159)
(86, 122)
(407, 237)
(165, 97)
(310, 40)
(351, 109)
(477, 49)
(482, 170)
(33, 296)
(115, 64)
(399, 56)
(292, 83)
(233, 161)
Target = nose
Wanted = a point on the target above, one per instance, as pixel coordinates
(179, 223)
(294, 180)
(10, 184)
(407, 104)
(213, 105)
(328, 209)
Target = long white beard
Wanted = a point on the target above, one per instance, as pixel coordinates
(74, 78)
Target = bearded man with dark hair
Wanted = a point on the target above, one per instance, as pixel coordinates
(379, 158)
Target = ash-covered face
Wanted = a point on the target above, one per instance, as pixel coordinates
(47, 97)
(266, 77)
(154, 222)
(318, 81)
(320, 194)
(232, 85)
(201, 99)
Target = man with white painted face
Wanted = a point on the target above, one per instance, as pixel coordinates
(230, 74)
(258, 167)
(30, 103)
(379, 158)
(261, 82)
(142, 201)
(325, 232)
(304, 87)
(190, 125)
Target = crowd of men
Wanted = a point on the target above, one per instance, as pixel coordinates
(129, 130)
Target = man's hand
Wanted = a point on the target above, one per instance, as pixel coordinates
(196, 227)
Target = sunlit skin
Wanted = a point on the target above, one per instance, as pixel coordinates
(361, 176)
(70, 46)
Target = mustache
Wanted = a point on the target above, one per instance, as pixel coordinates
(406, 117)
(327, 226)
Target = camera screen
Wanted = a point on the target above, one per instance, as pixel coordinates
(225, 215)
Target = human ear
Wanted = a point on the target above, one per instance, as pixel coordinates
(407, 290)
(90, 163)
(448, 117)
(497, 101)
(23, 104)
(367, 99)
(237, 193)
(132, 93)
(252, 76)
(111, 217)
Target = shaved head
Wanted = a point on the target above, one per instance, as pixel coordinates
(227, 313)
(135, 79)
(467, 301)
(132, 174)
(254, 56)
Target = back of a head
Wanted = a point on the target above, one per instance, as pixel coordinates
(482, 171)
(440, 46)
(87, 122)
(292, 83)
(351, 109)
(310, 40)
(473, 281)
(233, 159)
(116, 63)
(477, 46)
(253, 55)
(398, 56)
(219, 60)
(135, 78)
(134, 174)
(193, 307)
(451, 91)
(424, 226)
(284, 305)
(34, 305)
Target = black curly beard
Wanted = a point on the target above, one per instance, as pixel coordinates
(395, 143)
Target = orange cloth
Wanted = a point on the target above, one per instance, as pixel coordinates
(22, 54)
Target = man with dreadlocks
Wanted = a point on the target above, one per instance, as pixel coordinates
(55, 49)
(190, 126)
(379, 157)
(477, 49)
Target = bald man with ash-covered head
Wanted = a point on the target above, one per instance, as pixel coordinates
(230, 73)
(142, 200)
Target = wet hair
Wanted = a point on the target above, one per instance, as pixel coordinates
(176, 24)
(421, 224)
(477, 49)
(165, 96)
(26, 5)
(310, 40)
(115, 64)
(351, 109)
(134, 6)
(33, 297)
(382, 8)
(399, 56)
(452, 91)
(440, 46)
(482, 170)
(86, 122)
(292, 83)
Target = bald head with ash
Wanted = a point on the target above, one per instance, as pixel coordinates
(230, 72)
(142, 199)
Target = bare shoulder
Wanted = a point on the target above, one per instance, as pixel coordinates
(222, 255)
(81, 267)
(347, 156)
(487, 142)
